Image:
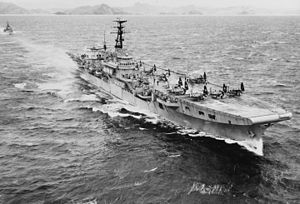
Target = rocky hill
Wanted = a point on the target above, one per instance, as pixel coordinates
(147, 9)
(10, 8)
(102, 9)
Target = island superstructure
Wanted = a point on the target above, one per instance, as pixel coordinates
(186, 99)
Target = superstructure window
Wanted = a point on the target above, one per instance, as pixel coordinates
(201, 113)
(161, 106)
(212, 116)
(187, 108)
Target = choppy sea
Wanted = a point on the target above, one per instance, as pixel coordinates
(62, 140)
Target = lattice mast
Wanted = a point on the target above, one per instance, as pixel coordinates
(120, 32)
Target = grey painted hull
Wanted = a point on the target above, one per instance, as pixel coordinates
(249, 136)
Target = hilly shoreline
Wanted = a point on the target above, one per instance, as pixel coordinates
(145, 9)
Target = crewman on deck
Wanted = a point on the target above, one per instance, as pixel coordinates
(224, 88)
(186, 86)
(205, 91)
(154, 68)
(242, 87)
(179, 82)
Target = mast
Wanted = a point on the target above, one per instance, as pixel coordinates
(104, 43)
(120, 32)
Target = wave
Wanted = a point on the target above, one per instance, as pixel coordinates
(282, 85)
(113, 110)
(25, 144)
(84, 98)
(150, 170)
(137, 183)
(215, 189)
(174, 155)
(26, 86)
(255, 146)
(238, 58)
(119, 108)
(8, 43)
(20, 85)
(55, 65)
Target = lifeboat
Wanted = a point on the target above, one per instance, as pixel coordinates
(168, 103)
(146, 98)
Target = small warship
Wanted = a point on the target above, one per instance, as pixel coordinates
(8, 29)
(189, 100)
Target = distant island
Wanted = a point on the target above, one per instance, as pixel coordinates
(10, 8)
(146, 9)
(60, 13)
(102, 9)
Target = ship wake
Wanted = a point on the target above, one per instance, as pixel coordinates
(252, 145)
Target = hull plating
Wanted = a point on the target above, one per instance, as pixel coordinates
(248, 136)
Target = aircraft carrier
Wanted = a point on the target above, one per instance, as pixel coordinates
(186, 99)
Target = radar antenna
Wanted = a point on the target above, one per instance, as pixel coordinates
(120, 32)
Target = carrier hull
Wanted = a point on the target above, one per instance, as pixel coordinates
(249, 136)
(188, 100)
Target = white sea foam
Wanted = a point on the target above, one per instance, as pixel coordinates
(153, 120)
(216, 189)
(106, 109)
(2, 32)
(54, 62)
(7, 43)
(83, 98)
(255, 146)
(174, 155)
(139, 183)
(113, 111)
(20, 85)
(150, 170)
(115, 105)
(6, 33)
(186, 131)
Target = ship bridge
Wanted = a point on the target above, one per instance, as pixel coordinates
(126, 62)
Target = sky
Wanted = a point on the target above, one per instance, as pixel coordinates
(268, 4)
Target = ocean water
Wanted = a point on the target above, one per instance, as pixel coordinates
(62, 140)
